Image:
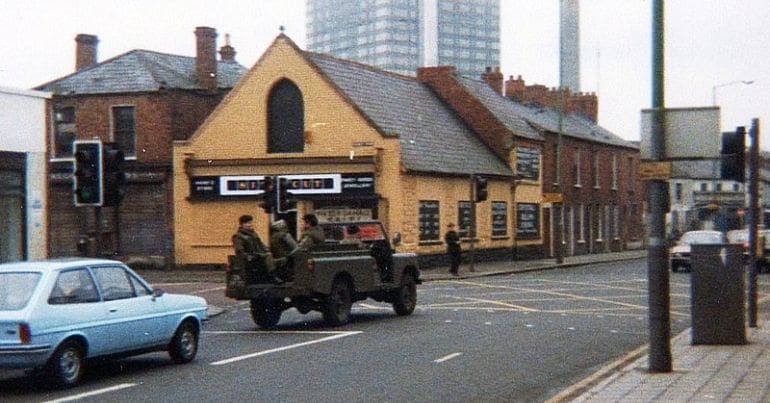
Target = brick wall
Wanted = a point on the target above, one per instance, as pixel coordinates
(585, 103)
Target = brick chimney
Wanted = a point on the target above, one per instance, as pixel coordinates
(494, 79)
(206, 57)
(227, 52)
(85, 51)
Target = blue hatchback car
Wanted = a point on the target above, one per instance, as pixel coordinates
(56, 314)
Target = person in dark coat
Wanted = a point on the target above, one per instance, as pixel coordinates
(452, 240)
(250, 250)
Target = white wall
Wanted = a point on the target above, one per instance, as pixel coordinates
(23, 130)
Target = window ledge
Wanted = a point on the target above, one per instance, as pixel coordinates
(500, 237)
(430, 242)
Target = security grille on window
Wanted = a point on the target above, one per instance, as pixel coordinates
(429, 220)
(499, 219)
(466, 219)
(124, 128)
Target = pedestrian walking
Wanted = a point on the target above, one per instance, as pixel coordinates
(452, 240)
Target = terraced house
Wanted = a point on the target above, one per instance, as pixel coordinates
(141, 100)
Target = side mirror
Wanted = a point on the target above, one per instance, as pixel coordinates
(396, 238)
(157, 292)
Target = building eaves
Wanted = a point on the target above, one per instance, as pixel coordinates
(433, 138)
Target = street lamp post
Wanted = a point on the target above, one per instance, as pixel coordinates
(714, 88)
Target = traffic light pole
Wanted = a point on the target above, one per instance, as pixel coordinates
(753, 221)
(657, 253)
(472, 229)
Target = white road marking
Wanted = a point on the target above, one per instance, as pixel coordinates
(91, 393)
(284, 348)
(447, 358)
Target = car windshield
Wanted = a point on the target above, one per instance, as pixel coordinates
(697, 238)
(16, 289)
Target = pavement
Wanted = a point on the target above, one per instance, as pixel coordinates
(701, 373)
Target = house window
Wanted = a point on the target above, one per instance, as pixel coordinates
(599, 223)
(704, 187)
(614, 172)
(429, 220)
(285, 119)
(678, 192)
(64, 132)
(576, 167)
(597, 183)
(580, 222)
(124, 128)
(499, 219)
(615, 221)
(719, 187)
(736, 187)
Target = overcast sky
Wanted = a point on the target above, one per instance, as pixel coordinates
(708, 43)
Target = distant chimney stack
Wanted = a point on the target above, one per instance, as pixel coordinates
(206, 57)
(494, 79)
(227, 52)
(85, 52)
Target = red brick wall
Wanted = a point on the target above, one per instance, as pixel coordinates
(583, 103)
(493, 133)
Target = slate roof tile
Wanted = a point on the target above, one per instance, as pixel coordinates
(141, 71)
(433, 138)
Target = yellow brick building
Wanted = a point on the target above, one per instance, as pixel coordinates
(352, 142)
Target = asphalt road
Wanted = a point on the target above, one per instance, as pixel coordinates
(522, 337)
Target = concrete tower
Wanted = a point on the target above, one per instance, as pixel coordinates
(569, 44)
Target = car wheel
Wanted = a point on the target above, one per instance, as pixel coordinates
(265, 314)
(65, 367)
(184, 345)
(405, 296)
(337, 306)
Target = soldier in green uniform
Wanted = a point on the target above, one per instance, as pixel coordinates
(250, 251)
(312, 235)
(282, 245)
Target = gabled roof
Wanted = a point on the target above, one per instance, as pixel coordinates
(141, 71)
(433, 138)
(545, 118)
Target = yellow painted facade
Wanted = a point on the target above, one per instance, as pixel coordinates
(338, 139)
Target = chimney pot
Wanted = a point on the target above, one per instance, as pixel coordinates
(85, 51)
(227, 52)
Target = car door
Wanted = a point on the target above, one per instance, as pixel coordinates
(74, 307)
(132, 313)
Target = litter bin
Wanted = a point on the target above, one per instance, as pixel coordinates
(718, 294)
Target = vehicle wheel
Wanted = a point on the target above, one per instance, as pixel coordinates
(184, 345)
(265, 314)
(336, 310)
(405, 298)
(65, 367)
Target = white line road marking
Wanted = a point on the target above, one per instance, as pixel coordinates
(284, 348)
(447, 358)
(91, 393)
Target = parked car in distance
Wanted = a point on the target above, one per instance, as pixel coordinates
(679, 254)
(741, 237)
(56, 314)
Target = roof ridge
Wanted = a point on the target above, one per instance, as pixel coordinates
(360, 65)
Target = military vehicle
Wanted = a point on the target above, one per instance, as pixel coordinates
(330, 277)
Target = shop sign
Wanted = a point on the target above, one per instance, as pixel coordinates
(207, 187)
(343, 214)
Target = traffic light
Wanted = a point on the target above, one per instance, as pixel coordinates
(113, 178)
(733, 155)
(87, 172)
(479, 188)
(268, 197)
(284, 198)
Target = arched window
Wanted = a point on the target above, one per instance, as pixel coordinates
(285, 119)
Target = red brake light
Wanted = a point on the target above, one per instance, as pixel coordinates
(25, 335)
